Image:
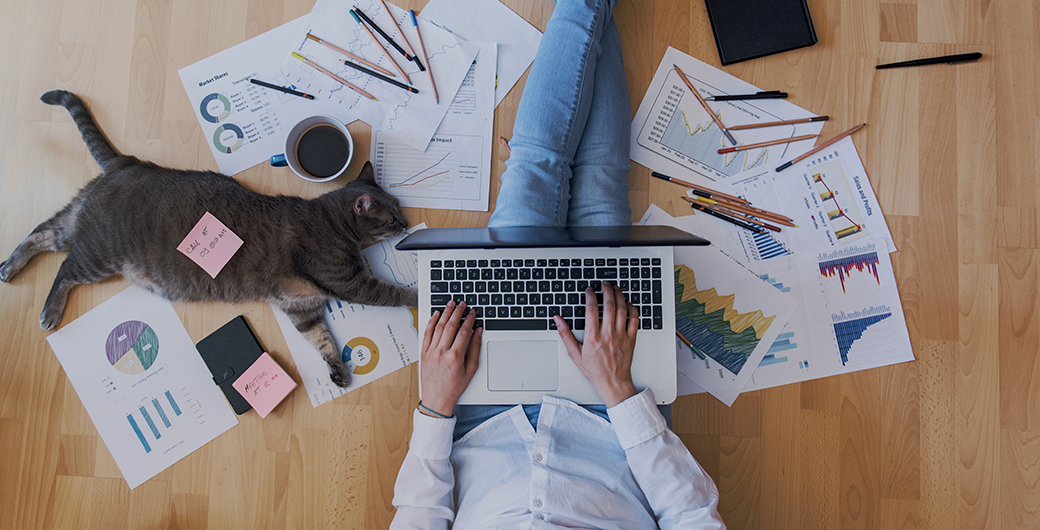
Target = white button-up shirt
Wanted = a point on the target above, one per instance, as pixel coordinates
(576, 471)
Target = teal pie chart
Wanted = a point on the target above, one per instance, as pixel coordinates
(215, 107)
(228, 138)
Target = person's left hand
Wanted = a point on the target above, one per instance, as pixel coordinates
(450, 351)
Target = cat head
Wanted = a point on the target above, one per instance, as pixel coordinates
(374, 214)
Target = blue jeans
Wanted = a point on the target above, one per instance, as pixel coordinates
(569, 160)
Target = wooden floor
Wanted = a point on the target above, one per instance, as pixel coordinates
(949, 441)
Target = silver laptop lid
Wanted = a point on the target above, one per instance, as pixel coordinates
(548, 237)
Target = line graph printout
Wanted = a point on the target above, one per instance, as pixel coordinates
(412, 118)
(454, 172)
(672, 133)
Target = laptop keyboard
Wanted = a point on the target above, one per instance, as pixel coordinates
(525, 294)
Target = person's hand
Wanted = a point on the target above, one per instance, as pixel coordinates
(450, 350)
(605, 358)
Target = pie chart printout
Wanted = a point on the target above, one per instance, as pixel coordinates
(132, 347)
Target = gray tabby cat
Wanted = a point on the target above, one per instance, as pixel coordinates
(297, 254)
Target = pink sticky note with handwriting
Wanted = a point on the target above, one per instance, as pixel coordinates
(264, 385)
(210, 244)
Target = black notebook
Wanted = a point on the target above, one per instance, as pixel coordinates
(746, 29)
(228, 352)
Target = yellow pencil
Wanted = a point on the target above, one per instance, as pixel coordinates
(345, 83)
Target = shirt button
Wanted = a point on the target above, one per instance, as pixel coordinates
(540, 517)
(537, 503)
(538, 457)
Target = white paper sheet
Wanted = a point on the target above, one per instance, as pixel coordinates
(729, 314)
(411, 118)
(454, 172)
(143, 383)
(244, 124)
(490, 21)
(373, 340)
(673, 134)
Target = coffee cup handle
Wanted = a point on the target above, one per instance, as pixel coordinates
(279, 160)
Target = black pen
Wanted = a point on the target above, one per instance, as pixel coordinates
(280, 89)
(382, 77)
(380, 31)
(771, 94)
(949, 59)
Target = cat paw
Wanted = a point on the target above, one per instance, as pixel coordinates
(5, 272)
(50, 319)
(340, 375)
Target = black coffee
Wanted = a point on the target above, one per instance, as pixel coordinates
(322, 151)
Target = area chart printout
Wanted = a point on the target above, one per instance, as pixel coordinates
(411, 118)
(729, 315)
(673, 134)
(143, 383)
(373, 341)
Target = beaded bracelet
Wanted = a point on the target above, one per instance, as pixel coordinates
(428, 409)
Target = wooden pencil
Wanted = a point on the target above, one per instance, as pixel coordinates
(380, 46)
(342, 81)
(767, 143)
(357, 58)
(704, 104)
(713, 194)
(778, 123)
(820, 147)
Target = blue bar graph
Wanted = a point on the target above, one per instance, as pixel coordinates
(151, 424)
(176, 409)
(850, 331)
(162, 414)
(140, 435)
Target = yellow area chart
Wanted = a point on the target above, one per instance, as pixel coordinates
(713, 301)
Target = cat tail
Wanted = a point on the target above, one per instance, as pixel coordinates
(99, 146)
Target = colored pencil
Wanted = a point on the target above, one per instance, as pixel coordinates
(767, 144)
(704, 104)
(357, 58)
(715, 213)
(380, 76)
(689, 344)
(778, 123)
(724, 208)
(820, 147)
(281, 88)
(342, 81)
(422, 49)
(414, 58)
(744, 209)
(378, 45)
(713, 193)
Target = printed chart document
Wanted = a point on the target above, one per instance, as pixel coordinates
(374, 341)
(244, 124)
(411, 118)
(729, 315)
(490, 21)
(454, 172)
(673, 134)
(849, 317)
(142, 382)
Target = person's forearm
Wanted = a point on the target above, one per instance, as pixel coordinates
(681, 494)
(423, 493)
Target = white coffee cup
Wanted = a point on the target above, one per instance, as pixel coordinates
(314, 149)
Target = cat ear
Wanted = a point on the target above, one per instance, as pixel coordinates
(367, 173)
(362, 204)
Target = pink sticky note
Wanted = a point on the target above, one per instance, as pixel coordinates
(210, 244)
(264, 385)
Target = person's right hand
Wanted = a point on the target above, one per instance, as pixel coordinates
(605, 358)
(450, 351)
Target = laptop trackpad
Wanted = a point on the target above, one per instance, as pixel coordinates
(523, 365)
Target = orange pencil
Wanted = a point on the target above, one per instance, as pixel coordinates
(767, 144)
(357, 58)
(342, 81)
(704, 104)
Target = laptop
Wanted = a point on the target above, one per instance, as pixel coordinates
(517, 278)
